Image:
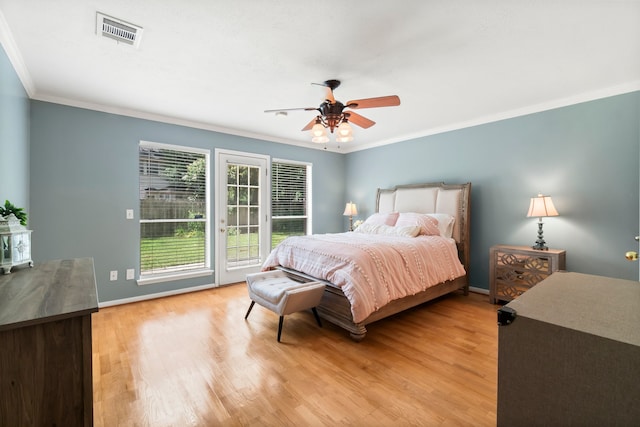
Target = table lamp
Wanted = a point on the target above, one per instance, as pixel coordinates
(541, 206)
(350, 210)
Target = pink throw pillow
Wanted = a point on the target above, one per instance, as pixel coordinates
(428, 224)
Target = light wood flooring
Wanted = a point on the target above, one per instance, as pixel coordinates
(192, 360)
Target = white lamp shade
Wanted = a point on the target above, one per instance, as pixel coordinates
(320, 139)
(350, 209)
(542, 206)
(344, 129)
(318, 130)
(344, 139)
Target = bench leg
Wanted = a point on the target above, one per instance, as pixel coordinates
(249, 311)
(315, 313)
(280, 327)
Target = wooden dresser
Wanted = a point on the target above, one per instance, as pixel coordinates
(45, 344)
(568, 353)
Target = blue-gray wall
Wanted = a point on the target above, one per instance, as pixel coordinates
(75, 171)
(585, 156)
(14, 136)
(84, 175)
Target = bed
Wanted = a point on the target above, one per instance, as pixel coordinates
(390, 286)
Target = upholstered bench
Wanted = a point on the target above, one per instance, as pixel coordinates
(275, 291)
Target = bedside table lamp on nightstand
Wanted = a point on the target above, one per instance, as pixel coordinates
(350, 210)
(541, 206)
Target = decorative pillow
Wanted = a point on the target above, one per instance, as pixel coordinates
(445, 223)
(368, 228)
(428, 224)
(405, 231)
(383, 219)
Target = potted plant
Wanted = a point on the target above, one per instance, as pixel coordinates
(9, 209)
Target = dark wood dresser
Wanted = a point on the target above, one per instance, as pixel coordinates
(45, 344)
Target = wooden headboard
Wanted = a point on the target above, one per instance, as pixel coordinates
(438, 197)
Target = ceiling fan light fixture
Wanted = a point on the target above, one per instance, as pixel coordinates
(318, 130)
(333, 115)
(344, 130)
(320, 139)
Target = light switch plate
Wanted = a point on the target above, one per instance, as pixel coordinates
(129, 214)
(131, 272)
(113, 275)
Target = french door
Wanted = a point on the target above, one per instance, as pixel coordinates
(242, 215)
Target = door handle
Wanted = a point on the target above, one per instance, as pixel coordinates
(222, 230)
(632, 255)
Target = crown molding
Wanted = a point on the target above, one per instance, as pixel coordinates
(9, 45)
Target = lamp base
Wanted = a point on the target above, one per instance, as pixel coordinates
(540, 245)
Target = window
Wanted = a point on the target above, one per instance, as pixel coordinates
(174, 219)
(290, 200)
(243, 215)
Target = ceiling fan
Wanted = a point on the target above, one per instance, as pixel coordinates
(334, 114)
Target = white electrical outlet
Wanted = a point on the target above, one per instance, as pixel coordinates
(129, 214)
(131, 272)
(113, 275)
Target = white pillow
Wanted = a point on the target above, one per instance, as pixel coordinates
(383, 219)
(368, 228)
(405, 231)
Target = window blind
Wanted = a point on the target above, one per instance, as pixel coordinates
(173, 207)
(289, 200)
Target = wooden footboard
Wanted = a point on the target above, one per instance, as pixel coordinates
(336, 308)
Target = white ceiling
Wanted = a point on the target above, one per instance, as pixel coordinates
(218, 64)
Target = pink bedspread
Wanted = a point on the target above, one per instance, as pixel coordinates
(371, 269)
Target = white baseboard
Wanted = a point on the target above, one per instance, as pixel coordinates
(202, 288)
(479, 290)
(154, 296)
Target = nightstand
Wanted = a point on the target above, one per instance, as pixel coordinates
(515, 269)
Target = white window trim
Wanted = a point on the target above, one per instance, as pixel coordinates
(168, 277)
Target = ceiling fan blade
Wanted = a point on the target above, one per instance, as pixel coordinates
(292, 109)
(330, 85)
(330, 96)
(382, 101)
(359, 120)
(309, 125)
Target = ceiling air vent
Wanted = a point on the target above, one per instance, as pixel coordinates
(117, 29)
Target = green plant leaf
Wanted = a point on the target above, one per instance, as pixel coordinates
(9, 209)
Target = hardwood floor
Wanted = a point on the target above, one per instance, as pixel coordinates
(192, 360)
